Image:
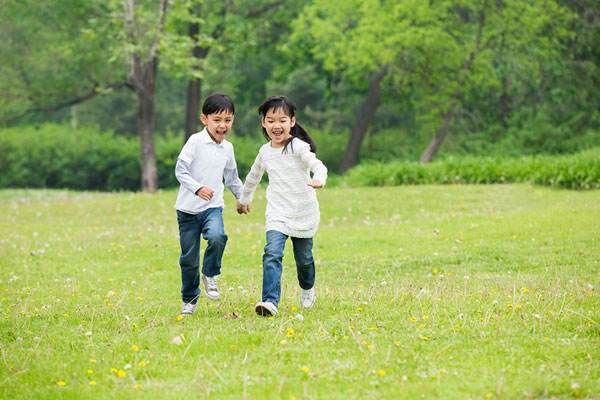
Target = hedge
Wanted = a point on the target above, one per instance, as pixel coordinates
(57, 156)
(576, 171)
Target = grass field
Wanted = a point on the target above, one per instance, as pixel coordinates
(466, 292)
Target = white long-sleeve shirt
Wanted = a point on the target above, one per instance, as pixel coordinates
(292, 206)
(203, 162)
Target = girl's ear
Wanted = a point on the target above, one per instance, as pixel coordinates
(204, 119)
(292, 121)
(262, 122)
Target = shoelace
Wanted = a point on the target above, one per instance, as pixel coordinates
(211, 283)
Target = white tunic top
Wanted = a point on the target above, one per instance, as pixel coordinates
(203, 162)
(292, 206)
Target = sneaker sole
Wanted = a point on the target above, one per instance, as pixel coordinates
(263, 311)
(217, 297)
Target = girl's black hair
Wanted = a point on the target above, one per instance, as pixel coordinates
(216, 103)
(277, 102)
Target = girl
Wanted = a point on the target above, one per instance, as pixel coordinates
(292, 207)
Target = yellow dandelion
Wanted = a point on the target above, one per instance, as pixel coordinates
(381, 373)
(293, 308)
(61, 383)
(180, 317)
(135, 348)
(412, 319)
(359, 309)
(305, 370)
(137, 386)
(89, 372)
(142, 363)
(524, 290)
(92, 383)
(397, 343)
(289, 332)
(114, 370)
(424, 338)
(121, 373)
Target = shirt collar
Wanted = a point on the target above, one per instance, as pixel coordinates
(205, 137)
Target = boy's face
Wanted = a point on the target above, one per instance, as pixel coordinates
(218, 124)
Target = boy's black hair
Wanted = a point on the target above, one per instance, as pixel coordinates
(289, 108)
(217, 102)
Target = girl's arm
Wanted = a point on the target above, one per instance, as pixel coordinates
(252, 180)
(316, 166)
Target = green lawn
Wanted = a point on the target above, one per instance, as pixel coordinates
(423, 292)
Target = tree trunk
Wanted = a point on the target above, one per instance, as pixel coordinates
(456, 98)
(147, 153)
(192, 108)
(439, 137)
(142, 79)
(364, 118)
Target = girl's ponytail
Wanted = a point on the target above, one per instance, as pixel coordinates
(299, 132)
(276, 102)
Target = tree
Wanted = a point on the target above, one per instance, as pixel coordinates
(53, 55)
(143, 39)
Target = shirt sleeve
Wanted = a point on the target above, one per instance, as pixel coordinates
(188, 151)
(252, 180)
(184, 176)
(316, 166)
(231, 177)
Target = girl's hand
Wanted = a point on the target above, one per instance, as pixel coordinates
(243, 209)
(315, 184)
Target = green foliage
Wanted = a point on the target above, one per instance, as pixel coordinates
(58, 156)
(55, 156)
(576, 171)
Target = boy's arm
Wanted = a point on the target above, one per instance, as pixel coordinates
(184, 176)
(252, 180)
(183, 167)
(231, 177)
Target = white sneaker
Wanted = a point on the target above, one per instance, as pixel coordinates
(210, 287)
(308, 297)
(266, 309)
(188, 308)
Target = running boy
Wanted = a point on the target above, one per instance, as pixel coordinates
(205, 165)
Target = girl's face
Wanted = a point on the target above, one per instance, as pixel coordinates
(278, 126)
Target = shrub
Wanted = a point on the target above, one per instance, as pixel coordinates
(576, 171)
(58, 156)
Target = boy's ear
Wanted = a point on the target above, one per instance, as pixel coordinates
(204, 119)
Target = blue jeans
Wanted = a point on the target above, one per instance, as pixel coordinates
(272, 264)
(209, 224)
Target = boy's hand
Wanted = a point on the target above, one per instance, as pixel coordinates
(315, 184)
(205, 193)
(243, 209)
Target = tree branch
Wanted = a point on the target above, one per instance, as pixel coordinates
(67, 103)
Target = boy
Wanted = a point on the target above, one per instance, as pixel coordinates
(206, 162)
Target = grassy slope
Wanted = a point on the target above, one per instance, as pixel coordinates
(426, 291)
